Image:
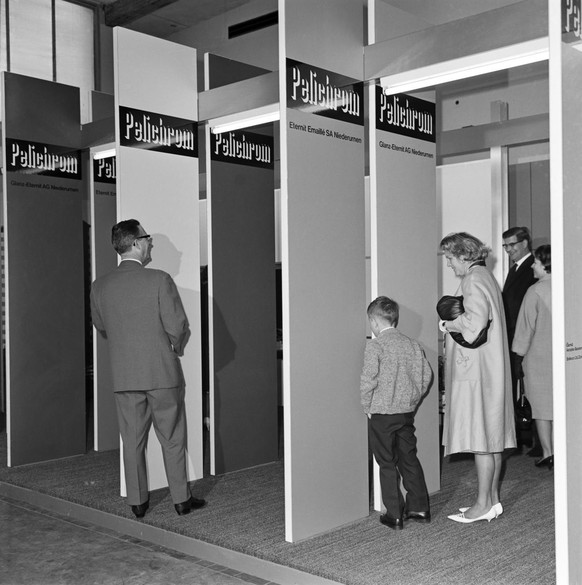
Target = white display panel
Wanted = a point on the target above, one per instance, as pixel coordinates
(323, 273)
(404, 245)
(161, 190)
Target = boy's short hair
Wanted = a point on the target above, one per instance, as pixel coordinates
(384, 308)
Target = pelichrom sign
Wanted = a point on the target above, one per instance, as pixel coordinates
(34, 158)
(571, 21)
(158, 132)
(405, 115)
(317, 91)
(105, 170)
(243, 148)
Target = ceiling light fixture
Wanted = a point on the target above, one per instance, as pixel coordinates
(262, 115)
(104, 154)
(465, 67)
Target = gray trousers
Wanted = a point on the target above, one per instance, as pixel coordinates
(136, 411)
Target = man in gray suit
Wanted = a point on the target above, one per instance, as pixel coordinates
(140, 313)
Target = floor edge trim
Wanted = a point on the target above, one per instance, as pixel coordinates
(209, 552)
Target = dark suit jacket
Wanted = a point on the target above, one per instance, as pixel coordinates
(140, 311)
(514, 289)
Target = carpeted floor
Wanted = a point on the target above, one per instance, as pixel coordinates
(245, 513)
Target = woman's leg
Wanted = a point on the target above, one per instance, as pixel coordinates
(486, 473)
(545, 428)
(498, 461)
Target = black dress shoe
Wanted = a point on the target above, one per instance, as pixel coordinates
(189, 505)
(545, 462)
(418, 516)
(394, 523)
(140, 509)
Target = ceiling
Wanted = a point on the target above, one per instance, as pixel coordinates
(162, 18)
(438, 12)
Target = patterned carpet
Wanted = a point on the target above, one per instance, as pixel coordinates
(245, 513)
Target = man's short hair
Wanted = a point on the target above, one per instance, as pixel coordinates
(124, 234)
(385, 308)
(520, 233)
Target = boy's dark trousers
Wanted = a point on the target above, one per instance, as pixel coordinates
(393, 443)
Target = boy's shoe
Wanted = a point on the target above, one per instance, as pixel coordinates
(394, 523)
(418, 516)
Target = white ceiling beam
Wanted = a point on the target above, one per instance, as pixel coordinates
(522, 22)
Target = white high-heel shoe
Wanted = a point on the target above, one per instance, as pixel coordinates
(497, 507)
(461, 517)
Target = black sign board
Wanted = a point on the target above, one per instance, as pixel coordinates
(35, 158)
(314, 90)
(405, 115)
(571, 21)
(104, 170)
(243, 148)
(151, 131)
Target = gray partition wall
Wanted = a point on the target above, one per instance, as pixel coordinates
(566, 209)
(404, 239)
(323, 263)
(103, 217)
(242, 299)
(45, 318)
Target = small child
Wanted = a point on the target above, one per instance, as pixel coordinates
(395, 376)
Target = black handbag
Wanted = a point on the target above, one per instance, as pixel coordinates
(523, 418)
(449, 308)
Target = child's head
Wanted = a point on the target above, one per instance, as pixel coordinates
(383, 312)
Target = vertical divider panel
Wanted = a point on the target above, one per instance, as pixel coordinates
(244, 373)
(104, 259)
(323, 263)
(242, 384)
(404, 249)
(209, 313)
(45, 317)
(565, 79)
(156, 108)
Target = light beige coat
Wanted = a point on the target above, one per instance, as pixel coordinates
(479, 414)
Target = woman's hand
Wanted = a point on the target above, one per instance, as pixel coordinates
(519, 365)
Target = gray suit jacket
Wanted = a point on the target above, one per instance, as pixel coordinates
(140, 312)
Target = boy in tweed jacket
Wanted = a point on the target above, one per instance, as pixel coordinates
(395, 376)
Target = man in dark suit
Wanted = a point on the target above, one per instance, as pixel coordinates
(140, 313)
(517, 244)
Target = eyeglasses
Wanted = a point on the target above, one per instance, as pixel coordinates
(511, 244)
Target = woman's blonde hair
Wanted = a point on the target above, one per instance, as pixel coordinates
(464, 246)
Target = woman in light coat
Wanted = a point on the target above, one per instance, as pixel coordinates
(533, 341)
(479, 415)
